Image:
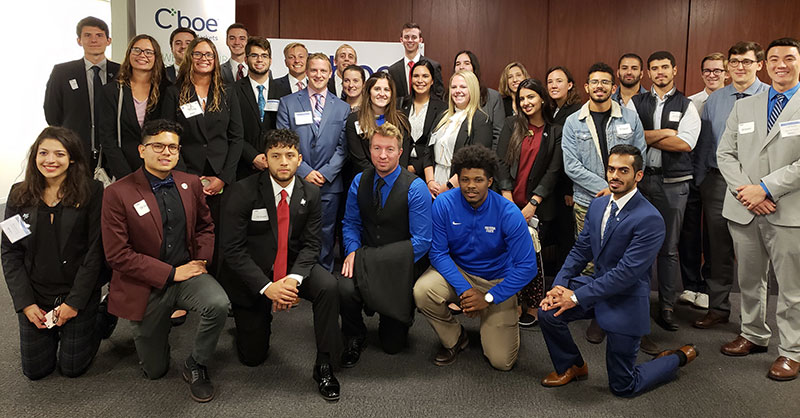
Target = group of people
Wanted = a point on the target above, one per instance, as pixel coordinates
(230, 192)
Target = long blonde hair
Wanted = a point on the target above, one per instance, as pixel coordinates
(474, 100)
(187, 72)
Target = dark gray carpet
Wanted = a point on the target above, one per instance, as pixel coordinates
(407, 384)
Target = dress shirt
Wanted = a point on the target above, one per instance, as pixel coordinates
(444, 142)
(416, 119)
(620, 204)
(277, 189)
(313, 100)
(772, 93)
(699, 100)
(235, 68)
(254, 85)
(419, 198)
(405, 67)
(173, 221)
(688, 130)
(337, 81)
(90, 85)
(293, 83)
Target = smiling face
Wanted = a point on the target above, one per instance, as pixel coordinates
(295, 61)
(411, 38)
(513, 78)
(629, 72)
(380, 95)
(346, 56)
(93, 40)
(600, 86)
(52, 159)
(352, 84)
(236, 41)
(203, 63)
(743, 68)
(474, 185)
(180, 42)
(783, 66)
(558, 85)
(319, 71)
(282, 163)
(530, 102)
(662, 73)
(421, 79)
(463, 63)
(459, 92)
(714, 74)
(160, 163)
(142, 61)
(258, 61)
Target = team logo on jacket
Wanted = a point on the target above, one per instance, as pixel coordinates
(489, 229)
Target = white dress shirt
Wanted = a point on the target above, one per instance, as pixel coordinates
(293, 83)
(276, 188)
(235, 68)
(254, 84)
(620, 204)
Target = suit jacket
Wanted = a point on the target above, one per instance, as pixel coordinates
(435, 109)
(399, 73)
(283, 85)
(545, 173)
(481, 133)
(619, 292)
(358, 147)
(756, 156)
(133, 243)
(226, 68)
(332, 83)
(81, 251)
(68, 107)
(250, 246)
(254, 129)
(171, 74)
(123, 160)
(497, 115)
(213, 138)
(325, 148)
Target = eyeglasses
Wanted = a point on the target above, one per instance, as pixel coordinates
(264, 56)
(603, 82)
(207, 55)
(159, 147)
(716, 71)
(735, 63)
(147, 52)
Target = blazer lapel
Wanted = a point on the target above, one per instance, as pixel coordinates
(461, 138)
(788, 112)
(80, 78)
(298, 199)
(543, 155)
(621, 215)
(268, 196)
(326, 111)
(69, 216)
(248, 92)
(760, 102)
(143, 187)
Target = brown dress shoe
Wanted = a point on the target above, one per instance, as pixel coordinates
(446, 356)
(688, 350)
(711, 319)
(741, 347)
(573, 373)
(784, 369)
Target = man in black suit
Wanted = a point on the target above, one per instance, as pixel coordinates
(345, 56)
(271, 257)
(258, 98)
(179, 40)
(235, 68)
(400, 71)
(73, 86)
(295, 56)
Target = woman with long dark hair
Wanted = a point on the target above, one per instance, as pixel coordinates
(141, 82)
(53, 271)
(510, 78)
(422, 109)
(490, 101)
(561, 89)
(353, 78)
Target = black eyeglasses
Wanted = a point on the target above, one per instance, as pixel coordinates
(264, 56)
(147, 52)
(207, 55)
(716, 71)
(735, 62)
(159, 147)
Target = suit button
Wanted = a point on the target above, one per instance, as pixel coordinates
(205, 145)
(64, 262)
(169, 245)
(379, 236)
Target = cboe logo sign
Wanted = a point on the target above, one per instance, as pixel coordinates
(165, 19)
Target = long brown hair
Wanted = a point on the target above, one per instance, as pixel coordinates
(74, 190)
(366, 117)
(156, 74)
(187, 72)
(520, 128)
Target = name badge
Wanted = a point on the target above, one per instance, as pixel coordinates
(791, 128)
(303, 118)
(191, 109)
(675, 116)
(747, 128)
(272, 105)
(141, 207)
(15, 228)
(624, 129)
(74, 84)
(259, 215)
(50, 319)
(358, 128)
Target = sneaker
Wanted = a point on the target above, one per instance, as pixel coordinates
(527, 320)
(687, 297)
(196, 375)
(701, 301)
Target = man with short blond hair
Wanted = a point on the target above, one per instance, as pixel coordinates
(345, 55)
(295, 56)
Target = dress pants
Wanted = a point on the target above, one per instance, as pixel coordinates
(201, 294)
(499, 322)
(670, 200)
(580, 217)
(693, 244)
(722, 256)
(392, 333)
(756, 244)
(330, 208)
(253, 323)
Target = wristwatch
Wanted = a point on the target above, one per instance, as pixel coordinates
(533, 202)
(574, 299)
(488, 298)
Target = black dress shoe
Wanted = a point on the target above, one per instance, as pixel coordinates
(352, 353)
(447, 356)
(326, 381)
(196, 375)
(105, 322)
(595, 334)
(666, 320)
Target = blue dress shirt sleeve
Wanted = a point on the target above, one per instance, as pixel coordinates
(419, 218)
(351, 227)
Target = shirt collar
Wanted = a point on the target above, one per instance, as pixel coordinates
(293, 81)
(666, 96)
(323, 93)
(255, 84)
(390, 178)
(276, 189)
(415, 59)
(88, 64)
(622, 201)
(788, 93)
(480, 209)
(153, 179)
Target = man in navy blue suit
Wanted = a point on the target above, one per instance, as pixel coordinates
(622, 235)
(318, 118)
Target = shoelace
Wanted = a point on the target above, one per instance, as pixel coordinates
(199, 373)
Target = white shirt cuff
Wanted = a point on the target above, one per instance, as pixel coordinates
(264, 289)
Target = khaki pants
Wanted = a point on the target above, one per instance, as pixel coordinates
(499, 322)
(580, 217)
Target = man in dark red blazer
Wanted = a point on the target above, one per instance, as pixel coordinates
(158, 235)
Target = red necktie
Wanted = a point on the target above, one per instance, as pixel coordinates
(410, 71)
(240, 73)
(279, 266)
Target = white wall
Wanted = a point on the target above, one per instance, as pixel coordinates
(39, 34)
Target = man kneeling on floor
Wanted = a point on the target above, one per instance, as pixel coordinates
(481, 256)
(622, 235)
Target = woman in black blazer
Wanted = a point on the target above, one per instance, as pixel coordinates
(55, 267)
(531, 163)
(142, 82)
(422, 110)
(510, 78)
(462, 124)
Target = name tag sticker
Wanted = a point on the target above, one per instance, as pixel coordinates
(272, 105)
(191, 109)
(50, 319)
(674, 116)
(259, 215)
(358, 128)
(141, 207)
(791, 128)
(74, 84)
(624, 129)
(15, 228)
(303, 118)
(747, 128)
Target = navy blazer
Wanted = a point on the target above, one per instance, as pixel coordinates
(619, 292)
(324, 149)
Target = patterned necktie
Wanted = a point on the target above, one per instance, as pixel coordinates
(377, 199)
(318, 106)
(262, 103)
(410, 71)
(780, 99)
(167, 182)
(300, 85)
(612, 218)
(240, 73)
(741, 95)
(279, 266)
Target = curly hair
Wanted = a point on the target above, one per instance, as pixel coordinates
(475, 156)
(281, 138)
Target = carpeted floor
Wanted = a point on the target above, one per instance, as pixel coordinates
(407, 384)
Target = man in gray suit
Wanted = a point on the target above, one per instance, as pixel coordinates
(759, 157)
(235, 68)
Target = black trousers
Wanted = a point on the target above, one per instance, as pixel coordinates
(392, 333)
(253, 323)
(694, 244)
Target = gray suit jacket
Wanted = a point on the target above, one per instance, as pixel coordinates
(227, 72)
(748, 154)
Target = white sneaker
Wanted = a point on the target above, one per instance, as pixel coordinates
(689, 297)
(701, 301)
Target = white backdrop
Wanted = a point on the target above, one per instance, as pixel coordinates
(373, 56)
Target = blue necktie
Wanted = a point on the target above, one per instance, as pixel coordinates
(612, 218)
(776, 110)
(167, 182)
(262, 103)
(317, 109)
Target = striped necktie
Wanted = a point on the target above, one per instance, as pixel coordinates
(780, 99)
(318, 105)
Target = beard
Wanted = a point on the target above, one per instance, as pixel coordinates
(254, 71)
(630, 84)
